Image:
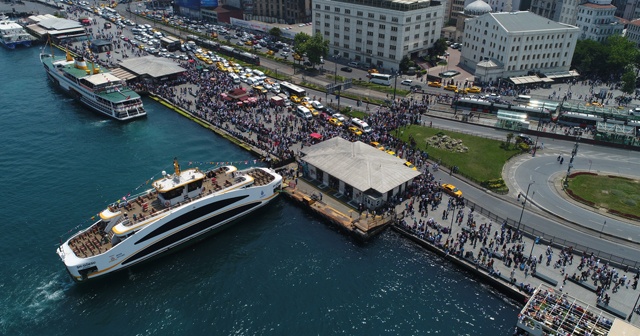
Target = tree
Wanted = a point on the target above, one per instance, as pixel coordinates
(439, 47)
(509, 138)
(622, 53)
(588, 56)
(300, 42)
(406, 63)
(316, 47)
(629, 81)
(276, 33)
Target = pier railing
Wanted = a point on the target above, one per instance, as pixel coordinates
(534, 234)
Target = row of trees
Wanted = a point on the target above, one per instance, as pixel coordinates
(615, 59)
(314, 46)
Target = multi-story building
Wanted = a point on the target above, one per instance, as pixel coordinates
(281, 11)
(567, 11)
(502, 45)
(596, 20)
(378, 32)
(564, 11)
(633, 32)
(544, 8)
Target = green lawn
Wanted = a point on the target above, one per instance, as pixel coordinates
(613, 193)
(482, 162)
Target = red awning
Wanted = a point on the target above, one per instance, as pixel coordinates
(316, 136)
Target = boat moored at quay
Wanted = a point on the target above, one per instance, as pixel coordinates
(96, 88)
(12, 34)
(179, 207)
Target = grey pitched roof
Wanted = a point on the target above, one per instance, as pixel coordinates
(152, 66)
(525, 21)
(359, 165)
(55, 23)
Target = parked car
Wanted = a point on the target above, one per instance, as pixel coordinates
(346, 69)
(406, 82)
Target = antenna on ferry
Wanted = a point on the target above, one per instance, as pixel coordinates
(176, 166)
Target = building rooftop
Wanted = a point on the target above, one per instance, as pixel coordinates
(524, 21)
(477, 7)
(597, 6)
(153, 66)
(359, 165)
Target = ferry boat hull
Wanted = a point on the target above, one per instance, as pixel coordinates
(126, 108)
(175, 227)
(13, 45)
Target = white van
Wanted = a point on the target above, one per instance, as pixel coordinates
(304, 112)
(363, 126)
(235, 78)
(523, 98)
(258, 73)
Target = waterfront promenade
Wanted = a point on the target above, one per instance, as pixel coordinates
(498, 252)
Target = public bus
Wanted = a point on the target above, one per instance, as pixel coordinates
(381, 79)
(292, 90)
(536, 112)
(238, 54)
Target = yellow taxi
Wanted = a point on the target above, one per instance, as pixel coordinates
(450, 87)
(270, 53)
(306, 104)
(260, 88)
(249, 43)
(390, 152)
(451, 190)
(473, 89)
(374, 144)
(335, 122)
(435, 84)
(410, 165)
(314, 112)
(295, 99)
(355, 130)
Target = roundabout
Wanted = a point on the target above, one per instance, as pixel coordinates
(544, 174)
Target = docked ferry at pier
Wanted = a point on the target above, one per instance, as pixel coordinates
(96, 88)
(12, 34)
(180, 207)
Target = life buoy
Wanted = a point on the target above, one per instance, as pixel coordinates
(167, 203)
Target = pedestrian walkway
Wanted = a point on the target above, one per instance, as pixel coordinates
(522, 262)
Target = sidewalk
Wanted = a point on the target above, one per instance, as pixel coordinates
(621, 303)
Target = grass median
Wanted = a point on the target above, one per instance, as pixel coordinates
(610, 192)
(482, 162)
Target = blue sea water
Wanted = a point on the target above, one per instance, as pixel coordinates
(280, 271)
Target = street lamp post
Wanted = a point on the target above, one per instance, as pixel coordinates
(602, 230)
(524, 204)
(633, 308)
(395, 84)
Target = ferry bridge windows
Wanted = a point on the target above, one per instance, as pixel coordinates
(194, 185)
(173, 193)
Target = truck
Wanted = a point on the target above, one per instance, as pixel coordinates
(277, 101)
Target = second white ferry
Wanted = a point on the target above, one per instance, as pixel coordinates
(180, 207)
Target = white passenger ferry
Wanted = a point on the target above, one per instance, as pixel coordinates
(180, 207)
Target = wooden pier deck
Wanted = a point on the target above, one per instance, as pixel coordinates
(361, 225)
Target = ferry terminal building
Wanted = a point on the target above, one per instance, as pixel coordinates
(356, 172)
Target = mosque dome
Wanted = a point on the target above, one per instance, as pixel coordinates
(477, 7)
